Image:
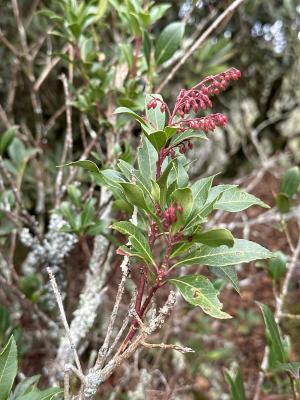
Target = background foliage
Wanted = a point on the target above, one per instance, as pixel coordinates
(66, 66)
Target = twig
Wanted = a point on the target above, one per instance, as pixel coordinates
(176, 347)
(63, 317)
(229, 10)
(47, 69)
(68, 144)
(104, 348)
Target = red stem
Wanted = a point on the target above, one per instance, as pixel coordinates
(141, 313)
(140, 293)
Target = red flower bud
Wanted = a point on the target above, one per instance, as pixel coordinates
(179, 208)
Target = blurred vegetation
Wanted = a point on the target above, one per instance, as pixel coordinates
(66, 66)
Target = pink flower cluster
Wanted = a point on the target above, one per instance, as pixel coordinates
(198, 97)
(153, 103)
(206, 124)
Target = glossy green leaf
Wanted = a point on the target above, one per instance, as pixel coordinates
(134, 195)
(242, 251)
(214, 237)
(111, 179)
(180, 248)
(128, 111)
(235, 200)
(155, 116)
(47, 394)
(130, 252)
(180, 172)
(168, 41)
(158, 139)
(199, 291)
(183, 197)
(200, 190)
(155, 191)
(127, 169)
(290, 182)
(137, 239)
(228, 274)
(8, 367)
(85, 164)
(186, 135)
(236, 384)
(147, 158)
(276, 343)
(24, 387)
(277, 265)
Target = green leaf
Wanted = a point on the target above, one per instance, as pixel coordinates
(6, 139)
(214, 237)
(87, 215)
(283, 202)
(290, 182)
(292, 368)
(199, 291)
(137, 239)
(155, 191)
(111, 179)
(276, 344)
(128, 111)
(147, 158)
(214, 195)
(24, 387)
(235, 200)
(156, 118)
(186, 135)
(17, 151)
(97, 228)
(180, 172)
(135, 25)
(180, 248)
(200, 190)
(86, 50)
(47, 394)
(168, 41)
(228, 274)
(236, 384)
(241, 252)
(75, 195)
(135, 195)
(158, 139)
(147, 48)
(130, 252)
(157, 11)
(184, 197)
(85, 164)
(127, 169)
(8, 367)
(277, 265)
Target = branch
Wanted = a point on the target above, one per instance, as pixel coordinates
(63, 317)
(229, 10)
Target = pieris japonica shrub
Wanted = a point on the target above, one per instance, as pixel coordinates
(169, 234)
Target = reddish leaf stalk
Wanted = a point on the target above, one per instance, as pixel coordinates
(140, 293)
